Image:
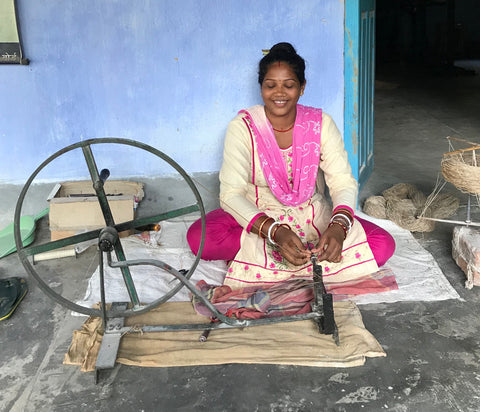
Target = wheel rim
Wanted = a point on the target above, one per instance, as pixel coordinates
(25, 252)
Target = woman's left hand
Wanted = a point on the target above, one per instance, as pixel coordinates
(291, 247)
(329, 247)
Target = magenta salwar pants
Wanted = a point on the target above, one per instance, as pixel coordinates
(222, 237)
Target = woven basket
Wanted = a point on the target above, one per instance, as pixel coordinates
(462, 169)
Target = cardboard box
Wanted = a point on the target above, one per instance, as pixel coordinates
(74, 207)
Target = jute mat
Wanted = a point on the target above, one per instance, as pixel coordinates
(292, 343)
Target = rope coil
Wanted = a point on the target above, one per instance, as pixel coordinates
(403, 203)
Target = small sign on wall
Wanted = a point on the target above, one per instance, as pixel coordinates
(10, 46)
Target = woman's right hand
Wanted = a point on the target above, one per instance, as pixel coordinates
(291, 247)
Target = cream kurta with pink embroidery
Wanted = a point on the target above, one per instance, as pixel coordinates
(244, 193)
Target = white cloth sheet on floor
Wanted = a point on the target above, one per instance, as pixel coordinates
(417, 273)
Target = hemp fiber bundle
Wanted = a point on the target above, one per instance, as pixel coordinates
(403, 203)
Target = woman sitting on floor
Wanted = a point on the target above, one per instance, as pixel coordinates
(277, 159)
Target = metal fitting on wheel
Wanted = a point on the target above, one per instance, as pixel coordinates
(107, 239)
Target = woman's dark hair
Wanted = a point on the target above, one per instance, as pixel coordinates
(282, 52)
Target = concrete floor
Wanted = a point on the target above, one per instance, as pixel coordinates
(433, 349)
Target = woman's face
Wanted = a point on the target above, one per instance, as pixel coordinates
(281, 90)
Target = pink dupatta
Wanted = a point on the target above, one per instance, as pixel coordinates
(305, 148)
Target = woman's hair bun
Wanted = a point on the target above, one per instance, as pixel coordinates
(283, 47)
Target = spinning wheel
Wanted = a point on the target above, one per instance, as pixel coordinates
(108, 240)
(108, 243)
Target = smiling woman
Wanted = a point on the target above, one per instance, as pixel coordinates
(277, 159)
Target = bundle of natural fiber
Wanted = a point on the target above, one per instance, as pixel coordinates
(403, 203)
(375, 206)
(462, 169)
(405, 191)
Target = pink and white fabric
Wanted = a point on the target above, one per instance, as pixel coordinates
(306, 153)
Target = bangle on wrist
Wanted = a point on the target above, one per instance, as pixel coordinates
(343, 221)
(274, 232)
(278, 227)
(344, 212)
(272, 226)
(260, 233)
(346, 216)
(335, 222)
(342, 218)
(287, 226)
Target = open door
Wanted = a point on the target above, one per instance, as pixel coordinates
(359, 86)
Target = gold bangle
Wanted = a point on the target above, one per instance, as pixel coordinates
(279, 226)
(274, 231)
(340, 217)
(261, 227)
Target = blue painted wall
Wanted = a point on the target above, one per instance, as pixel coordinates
(169, 73)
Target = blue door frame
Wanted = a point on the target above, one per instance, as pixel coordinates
(359, 86)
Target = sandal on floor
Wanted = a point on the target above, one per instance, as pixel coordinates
(12, 291)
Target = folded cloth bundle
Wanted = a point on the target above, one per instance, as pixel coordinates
(12, 291)
(252, 302)
(294, 296)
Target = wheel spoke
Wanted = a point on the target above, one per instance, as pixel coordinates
(127, 277)
(132, 224)
(98, 185)
(93, 234)
(58, 244)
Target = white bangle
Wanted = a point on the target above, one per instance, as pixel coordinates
(341, 219)
(347, 220)
(270, 232)
(344, 215)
